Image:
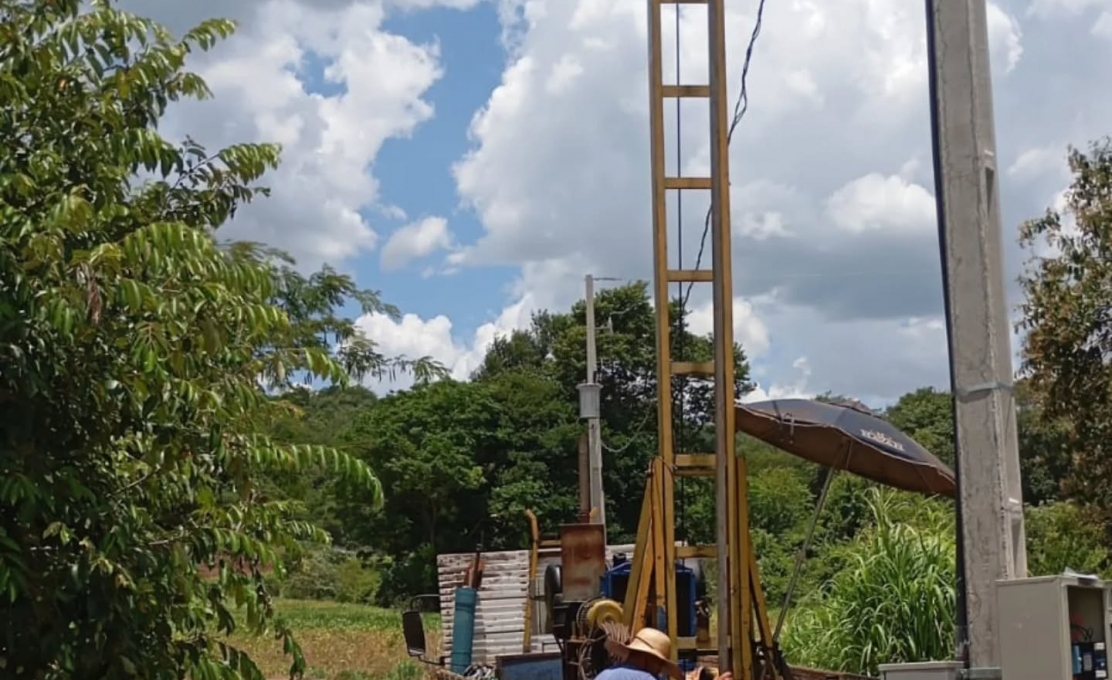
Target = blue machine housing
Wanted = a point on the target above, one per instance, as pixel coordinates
(616, 580)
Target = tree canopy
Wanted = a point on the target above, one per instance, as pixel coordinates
(134, 348)
(1067, 309)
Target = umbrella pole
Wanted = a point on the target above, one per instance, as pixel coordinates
(802, 554)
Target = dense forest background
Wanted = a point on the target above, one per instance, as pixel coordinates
(462, 461)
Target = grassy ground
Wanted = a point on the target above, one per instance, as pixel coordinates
(351, 642)
(343, 642)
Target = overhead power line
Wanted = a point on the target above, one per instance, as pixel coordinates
(741, 106)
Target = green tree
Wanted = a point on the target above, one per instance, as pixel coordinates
(462, 462)
(554, 347)
(829, 397)
(780, 502)
(1064, 535)
(319, 416)
(1067, 286)
(427, 445)
(780, 508)
(133, 345)
(1044, 446)
(846, 510)
(539, 432)
(926, 415)
(327, 417)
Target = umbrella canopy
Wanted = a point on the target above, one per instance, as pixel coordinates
(847, 436)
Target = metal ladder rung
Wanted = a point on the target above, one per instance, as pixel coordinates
(685, 91)
(696, 368)
(687, 183)
(695, 464)
(707, 552)
(690, 275)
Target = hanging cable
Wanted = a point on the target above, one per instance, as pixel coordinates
(632, 437)
(741, 106)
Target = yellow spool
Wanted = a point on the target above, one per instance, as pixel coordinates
(603, 611)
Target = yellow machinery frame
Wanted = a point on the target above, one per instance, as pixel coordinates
(653, 576)
(650, 573)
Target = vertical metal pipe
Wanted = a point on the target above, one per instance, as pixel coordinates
(584, 480)
(663, 536)
(589, 302)
(734, 617)
(802, 554)
(594, 431)
(962, 641)
(722, 538)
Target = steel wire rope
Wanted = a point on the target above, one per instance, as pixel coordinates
(741, 106)
(677, 441)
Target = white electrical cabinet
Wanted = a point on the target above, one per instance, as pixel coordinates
(1054, 628)
(922, 670)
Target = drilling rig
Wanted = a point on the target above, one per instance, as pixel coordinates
(654, 586)
(651, 597)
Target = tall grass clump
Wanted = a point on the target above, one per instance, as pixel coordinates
(895, 599)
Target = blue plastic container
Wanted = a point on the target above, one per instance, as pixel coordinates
(463, 629)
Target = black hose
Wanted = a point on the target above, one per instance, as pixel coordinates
(936, 154)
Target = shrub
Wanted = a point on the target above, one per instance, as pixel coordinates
(410, 574)
(1063, 535)
(331, 574)
(895, 600)
(846, 510)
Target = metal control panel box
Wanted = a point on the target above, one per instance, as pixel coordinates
(923, 670)
(1054, 628)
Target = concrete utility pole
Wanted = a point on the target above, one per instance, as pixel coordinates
(990, 515)
(594, 433)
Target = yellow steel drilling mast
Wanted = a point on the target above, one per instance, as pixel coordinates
(652, 583)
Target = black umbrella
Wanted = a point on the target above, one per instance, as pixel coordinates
(846, 436)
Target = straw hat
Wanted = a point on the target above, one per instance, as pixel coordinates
(652, 649)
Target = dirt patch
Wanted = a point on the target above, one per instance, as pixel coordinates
(335, 655)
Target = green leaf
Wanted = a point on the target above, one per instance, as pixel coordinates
(137, 351)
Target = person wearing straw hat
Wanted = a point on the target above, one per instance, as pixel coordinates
(648, 656)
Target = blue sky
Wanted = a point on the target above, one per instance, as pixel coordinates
(836, 286)
(415, 172)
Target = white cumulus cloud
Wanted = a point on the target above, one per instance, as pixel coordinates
(325, 199)
(414, 241)
(835, 259)
(875, 202)
(836, 253)
(413, 337)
